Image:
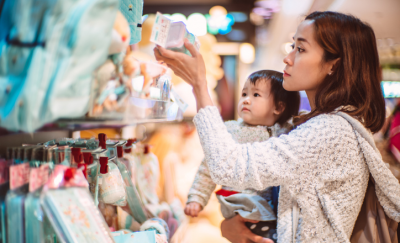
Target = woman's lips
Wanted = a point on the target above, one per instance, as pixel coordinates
(285, 74)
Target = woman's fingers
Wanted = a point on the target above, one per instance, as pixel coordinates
(170, 54)
(191, 48)
(160, 57)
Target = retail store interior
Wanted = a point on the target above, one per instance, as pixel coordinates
(97, 139)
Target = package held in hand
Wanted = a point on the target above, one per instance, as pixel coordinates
(172, 35)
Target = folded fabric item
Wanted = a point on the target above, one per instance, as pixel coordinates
(47, 56)
(171, 222)
(248, 206)
(156, 224)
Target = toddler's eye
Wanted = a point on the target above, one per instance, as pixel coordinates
(256, 95)
(243, 94)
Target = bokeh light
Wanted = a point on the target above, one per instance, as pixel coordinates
(217, 11)
(247, 53)
(197, 24)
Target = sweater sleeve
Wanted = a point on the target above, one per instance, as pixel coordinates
(288, 160)
(202, 186)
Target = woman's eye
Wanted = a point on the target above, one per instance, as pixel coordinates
(299, 49)
(243, 94)
(256, 95)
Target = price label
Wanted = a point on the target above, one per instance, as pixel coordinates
(19, 175)
(160, 30)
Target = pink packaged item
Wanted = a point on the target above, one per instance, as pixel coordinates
(19, 175)
(64, 176)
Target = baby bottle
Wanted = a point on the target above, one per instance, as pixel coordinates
(111, 184)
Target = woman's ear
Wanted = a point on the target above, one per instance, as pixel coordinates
(333, 66)
(280, 108)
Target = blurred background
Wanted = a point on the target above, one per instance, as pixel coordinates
(237, 37)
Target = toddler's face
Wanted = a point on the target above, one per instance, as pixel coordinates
(256, 105)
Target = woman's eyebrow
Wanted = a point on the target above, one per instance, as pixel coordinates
(301, 39)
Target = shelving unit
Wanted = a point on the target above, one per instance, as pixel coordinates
(138, 111)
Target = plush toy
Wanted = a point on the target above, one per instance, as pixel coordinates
(148, 70)
(108, 86)
(120, 35)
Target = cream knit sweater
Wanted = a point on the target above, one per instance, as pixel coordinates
(323, 166)
(203, 186)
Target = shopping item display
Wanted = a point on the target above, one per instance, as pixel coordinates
(54, 189)
(67, 60)
(40, 55)
(77, 64)
(172, 35)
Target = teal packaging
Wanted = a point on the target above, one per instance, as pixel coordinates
(74, 216)
(3, 191)
(37, 225)
(136, 237)
(132, 196)
(133, 11)
(15, 200)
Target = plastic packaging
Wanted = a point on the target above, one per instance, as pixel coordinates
(147, 175)
(71, 210)
(134, 200)
(111, 184)
(3, 191)
(172, 35)
(15, 210)
(176, 38)
(37, 225)
(75, 217)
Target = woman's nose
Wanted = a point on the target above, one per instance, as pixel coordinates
(288, 59)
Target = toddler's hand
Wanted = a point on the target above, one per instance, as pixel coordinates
(193, 209)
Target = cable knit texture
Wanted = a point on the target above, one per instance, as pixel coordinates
(323, 165)
(203, 186)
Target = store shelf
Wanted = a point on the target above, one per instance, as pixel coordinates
(138, 111)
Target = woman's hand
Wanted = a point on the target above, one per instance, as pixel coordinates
(236, 231)
(190, 68)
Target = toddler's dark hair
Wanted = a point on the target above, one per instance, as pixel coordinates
(291, 99)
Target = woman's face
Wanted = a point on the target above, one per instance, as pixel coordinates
(305, 69)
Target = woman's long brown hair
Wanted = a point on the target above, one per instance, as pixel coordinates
(356, 77)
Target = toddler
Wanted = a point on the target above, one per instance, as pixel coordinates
(265, 109)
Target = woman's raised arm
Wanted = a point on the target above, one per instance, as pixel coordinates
(190, 68)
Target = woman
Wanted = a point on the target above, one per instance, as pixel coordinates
(323, 165)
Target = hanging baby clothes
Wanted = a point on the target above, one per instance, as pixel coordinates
(147, 176)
